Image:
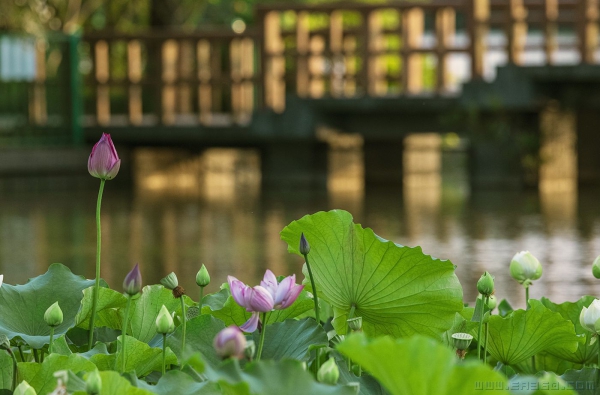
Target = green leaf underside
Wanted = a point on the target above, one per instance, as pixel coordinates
(6, 370)
(571, 311)
(547, 384)
(114, 384)
(586, 380)
(291, 339)
(397, 290)
(22, 307)
(420, 366)
(524, 333)
(107, 313)
(41, 375)
(223, 307)
(175, 382)
(200, 335)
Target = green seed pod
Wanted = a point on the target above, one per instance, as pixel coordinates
(329, 372)
(53, 315)
(202, 278)
(164, 321)
(485, 285)
(170, 281)
(93, 383)
(24, 389)
(462, 341)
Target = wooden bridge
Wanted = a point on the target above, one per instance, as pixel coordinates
(382, 70)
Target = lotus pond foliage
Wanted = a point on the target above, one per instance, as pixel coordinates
(369, 317)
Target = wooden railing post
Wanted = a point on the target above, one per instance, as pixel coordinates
(134, 74)
(102, 75)
(274, 62)
(588, 30)
(336, 42)
(303, 49)
(445, 24)
(480, 13)
(550, 29)
(413, 27)
(203, 56)
(517, 31)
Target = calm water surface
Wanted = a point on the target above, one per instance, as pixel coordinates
(226, 222)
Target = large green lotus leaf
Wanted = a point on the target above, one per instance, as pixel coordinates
(547, 384)
(271, 378)
(114, 384)
(144, 310)
(199, 337)
(176, 382)
(524, 333)
(107, 313)
(545, 362)
(397, 290)
(140, 357)
(571, 311)
(420, 366)
(41, 375)
(586, 381)
(6, 371)
(223, 307)
(22, 307)
(292, 339)
(367, 384)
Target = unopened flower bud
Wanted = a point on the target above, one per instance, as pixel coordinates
(250, 349)
(104, 163)
(590, 317)
(492, 301)
(304, 246)
(595, 267)
(93, 383)
(202, 278)
(230, 343)
(525, 268)
(53, 315)
(355, 324)
(1, 279)
(164, 321)
(171, 282)
(329, 372)
(132, 284)
(462, 341)
(24, 389)
(485, 285)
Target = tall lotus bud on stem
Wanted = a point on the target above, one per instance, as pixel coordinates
(491, 303)
(202, 279)
(171, 282)
(24, 389)
(230, 343)
(104, 162)
(304, 249)
(462, 341)
(132, 284)
(164, 325)
(93, 383)
(53, 317)
(329, 372)
(485, 285)
(525, 268)
(304, 246)
(595, 268)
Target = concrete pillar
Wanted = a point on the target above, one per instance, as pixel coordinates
(383, 162)
(293, 165)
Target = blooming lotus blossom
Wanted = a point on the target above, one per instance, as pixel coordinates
(590, 317)
(265, 297)
(104, 162)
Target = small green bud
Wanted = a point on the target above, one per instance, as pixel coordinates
(525, 268)
(164, 321)
(485, 285)
(202, 278)
(250, 350)
(93, 383)
(53, 315)
(596, 267)
(304, 246)
(170, 281)
(24, 389)
(492, 301)
(462, 341)
(329, 372)
(355, 324)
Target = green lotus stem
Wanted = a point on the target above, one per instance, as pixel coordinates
(124, 333)
(35, 355)
(51, 340)
(21, 353)
(314, 289)
(15, 369)
(487, 300)
(527, 298)
(184, 324)
(350, 316)
(98, 249)
(261, 342)
(164, 353)
(200, 301)
(598, 354)
(479, 331)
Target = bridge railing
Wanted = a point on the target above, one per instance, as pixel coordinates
(167, 78)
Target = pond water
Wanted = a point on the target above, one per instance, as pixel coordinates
(175, 221)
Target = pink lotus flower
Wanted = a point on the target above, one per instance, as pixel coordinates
(265, 297)
(104, 163)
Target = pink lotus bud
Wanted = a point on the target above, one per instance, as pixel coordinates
(304, 247)
(104, 163)
(230, 342)
(261, 300)
(133, 281)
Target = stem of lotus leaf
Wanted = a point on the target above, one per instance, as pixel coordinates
(200, 301)
(184, 325)
(598, 354)
(15, 370)
(98, 250)
(164, 353)
(51, 340)
(21, 353)
(527, 298)
(487, 300)
(261, 342)
(124, 333)
(314, 289)
(350, 316)
(35, 355)
(479, 342)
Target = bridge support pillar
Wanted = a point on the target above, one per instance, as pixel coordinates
(292, 165)
(383, 162)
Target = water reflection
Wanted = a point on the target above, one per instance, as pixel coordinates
(208, 208)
